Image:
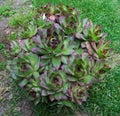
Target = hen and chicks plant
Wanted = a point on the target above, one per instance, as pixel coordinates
(62, 58)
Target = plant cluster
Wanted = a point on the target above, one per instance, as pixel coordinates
(6, 11)
(61, 58)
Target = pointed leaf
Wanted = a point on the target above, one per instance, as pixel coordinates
(56, 62)
(88, 79)
(36, 75)
(67, 51)
(23, 83)
(64, 59)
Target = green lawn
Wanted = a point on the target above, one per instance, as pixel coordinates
(104, 97)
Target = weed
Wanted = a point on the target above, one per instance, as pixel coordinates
(22, 18)
(2, 65)
(13, 36)
(6, 11)
(2, 46)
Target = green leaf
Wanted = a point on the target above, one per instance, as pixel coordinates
(73, 79)
(66, 42)
(29, 45)
(14, 76)
(36, 67)
(28, 73)
(68, 104)
(56, 62)
(58, 96)
(15, 47)
(32, 30)
(67, 51)
(26, 46)
(71, 60)
(64, 59)
(66, 87)
(23, 83)
(63, 75)
(44, 62)
(36, 75)
(37, 101)
(79, 51)
(88, 79)
(2, 46)
(68, 48)
(34, 59)
(63, 22)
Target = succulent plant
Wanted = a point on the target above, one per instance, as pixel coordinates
(62, 57)
(54, 84)
(65, 16)
(77, 93)
(53, 50)
(90, 32)
(27, 66)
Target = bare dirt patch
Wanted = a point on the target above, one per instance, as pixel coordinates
(6, 94)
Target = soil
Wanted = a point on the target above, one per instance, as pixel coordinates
(6, 95)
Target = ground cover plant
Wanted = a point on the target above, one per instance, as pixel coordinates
(57, 57)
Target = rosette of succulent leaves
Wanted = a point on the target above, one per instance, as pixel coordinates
(62, 57)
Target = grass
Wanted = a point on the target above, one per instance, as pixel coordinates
(22, 18)
(104, 97)
(2, 62)
(18, 95)
(6, 11)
